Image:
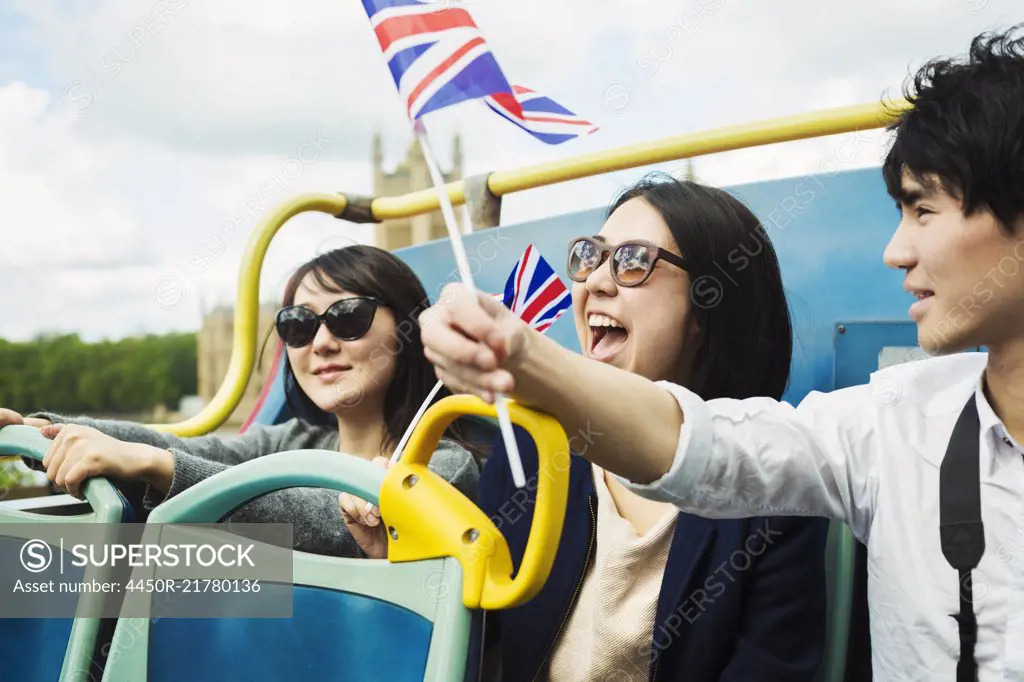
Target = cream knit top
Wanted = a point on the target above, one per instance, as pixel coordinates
(609, 632)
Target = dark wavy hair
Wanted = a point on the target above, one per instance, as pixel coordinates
(966, 126)
(736, 288)
(369, 271)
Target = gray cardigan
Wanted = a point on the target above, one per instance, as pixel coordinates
(313, 512)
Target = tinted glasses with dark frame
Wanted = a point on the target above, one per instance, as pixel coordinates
(632, 261)
(346, 319)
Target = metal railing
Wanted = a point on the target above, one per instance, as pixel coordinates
(499, 183)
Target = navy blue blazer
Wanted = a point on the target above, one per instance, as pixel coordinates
(741, 600)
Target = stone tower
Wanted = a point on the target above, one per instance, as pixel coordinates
(213, 350)
(410, 175)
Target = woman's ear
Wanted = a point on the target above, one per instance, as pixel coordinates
(693, 334)
(693, 338)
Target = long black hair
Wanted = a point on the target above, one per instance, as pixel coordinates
(369, 271)
(736, 290)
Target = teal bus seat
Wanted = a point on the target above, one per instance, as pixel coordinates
(34, 648)
(332, 635)
(52, 649)
(352, 619)
(839, 576)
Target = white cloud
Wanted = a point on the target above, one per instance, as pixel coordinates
(145, 128)
(51, 191)
(118, 239)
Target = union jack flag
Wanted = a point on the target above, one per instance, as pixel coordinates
(436, 54)
(534, 292)
(541, 116)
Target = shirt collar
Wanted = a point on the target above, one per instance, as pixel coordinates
(990, 423)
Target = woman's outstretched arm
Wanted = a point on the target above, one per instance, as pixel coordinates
(628, 424)
(720, 458)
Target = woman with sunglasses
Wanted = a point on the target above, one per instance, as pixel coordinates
(356, 369)
(639, 590)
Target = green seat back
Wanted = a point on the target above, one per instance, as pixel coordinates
(50, 649)
(353, 619)
(839, 566)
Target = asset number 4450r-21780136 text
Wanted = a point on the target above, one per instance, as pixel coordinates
(192, 585)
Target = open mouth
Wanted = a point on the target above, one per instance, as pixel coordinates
(607, 336)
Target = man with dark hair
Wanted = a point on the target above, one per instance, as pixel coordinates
(941, 510)
(956, 170)
(924, 463)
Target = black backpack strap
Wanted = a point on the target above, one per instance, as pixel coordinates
(960, 527)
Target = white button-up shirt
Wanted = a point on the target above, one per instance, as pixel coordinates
(869, 455)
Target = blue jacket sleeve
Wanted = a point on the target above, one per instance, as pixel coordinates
(782, 631)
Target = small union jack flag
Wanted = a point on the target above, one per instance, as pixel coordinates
(534, 292)
(435, 52)
(541, 116)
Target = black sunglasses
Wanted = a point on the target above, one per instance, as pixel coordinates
(632, 263)
(346, 319)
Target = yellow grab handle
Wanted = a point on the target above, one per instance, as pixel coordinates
(428, 518)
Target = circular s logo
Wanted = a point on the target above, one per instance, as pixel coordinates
(616, 97)
(436, 587)
(706, 292)
(886, 390)
(169, 292)
(79, 97)
(975, 6)
(36, 556)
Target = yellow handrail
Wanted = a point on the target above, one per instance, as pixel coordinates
(755, 134)
(246, 332)
(758, 133)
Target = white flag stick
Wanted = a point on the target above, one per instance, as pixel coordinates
(505, 422)
(397, 454)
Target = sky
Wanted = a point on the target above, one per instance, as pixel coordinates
(133, 131)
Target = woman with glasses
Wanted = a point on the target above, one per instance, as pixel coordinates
(680, 285)
(355, 363)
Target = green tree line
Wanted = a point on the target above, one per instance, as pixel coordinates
(65, 374)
